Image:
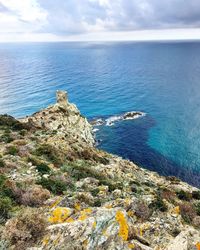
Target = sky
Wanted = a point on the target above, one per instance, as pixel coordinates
(98, 20)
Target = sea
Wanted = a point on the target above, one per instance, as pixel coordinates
(107, 79)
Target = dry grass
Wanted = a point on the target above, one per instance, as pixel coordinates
(26, 229)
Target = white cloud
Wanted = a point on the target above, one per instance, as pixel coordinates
(21, 16)
(102, 19)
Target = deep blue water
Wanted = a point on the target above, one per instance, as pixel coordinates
(161, 79)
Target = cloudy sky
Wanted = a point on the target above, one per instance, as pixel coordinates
(58, 20)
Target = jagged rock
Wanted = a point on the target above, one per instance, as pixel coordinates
(186, 240)
(63, 118)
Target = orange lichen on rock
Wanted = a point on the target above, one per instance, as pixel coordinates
(130, 213)
(84, 213)
(69, 220)
(77, 206)
(131, 245)
(123, 226)
(45, 241)
(94, 224)
(55, 203)
(59, 215)
(176, 210)
(198, 245)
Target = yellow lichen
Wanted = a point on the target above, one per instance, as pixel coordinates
(108, 206)
(59, 215)
(84, 214)
(123, 226)
(94, 224)
(54, 204)
(141, 231)
(45, 240)
(198, 245)
(104, 231)
(83, 217)
(77, 206)
(131, 245)
(130, 213)
(69, 220)
(87, 210)
(176, 210)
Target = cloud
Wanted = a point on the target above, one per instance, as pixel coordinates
(97, 15)
(17, 16)
(67, 18)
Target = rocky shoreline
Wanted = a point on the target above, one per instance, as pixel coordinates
(57, 191)
(131, 115)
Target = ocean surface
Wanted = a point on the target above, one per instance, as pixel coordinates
(106, 79)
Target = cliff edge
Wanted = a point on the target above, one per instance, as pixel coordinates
(57, 191)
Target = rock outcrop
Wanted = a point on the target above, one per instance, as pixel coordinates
(84, 198)
(64, 118)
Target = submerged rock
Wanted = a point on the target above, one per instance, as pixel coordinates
(116, 118)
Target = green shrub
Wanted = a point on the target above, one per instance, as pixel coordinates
(43, 168)
(173, 179)
(5, 190)
(23, 132)
(94, 192)
(197, 206)
(53, 185)
(2, 163)
(159, 204)
(10, 122)
(5, 207)
(83, 169)
(183, 195)
(196, 195)
(12, 150)
(51, 153)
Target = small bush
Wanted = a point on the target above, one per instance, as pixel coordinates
(35, 196)
(168, 195)
(183, 195)
(196, 195)
(5, 188)
(196, 221)
(2, 163)
(94, 191)
(142, 211)
(159, 204)
(173, 179)
(93, 155)
(53, 185)
(82, 169)
(51, 153)
(11, 123)
(187, 212)
(197, 207)
(25, 229)
(23, 132)
(43, 168)
(5, 207)
(12, 150)
(6, 137)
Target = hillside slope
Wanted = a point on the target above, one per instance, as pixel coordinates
(57, 191)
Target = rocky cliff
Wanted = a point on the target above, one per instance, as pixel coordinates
(57, 191)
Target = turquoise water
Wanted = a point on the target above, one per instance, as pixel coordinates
(104, 79)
